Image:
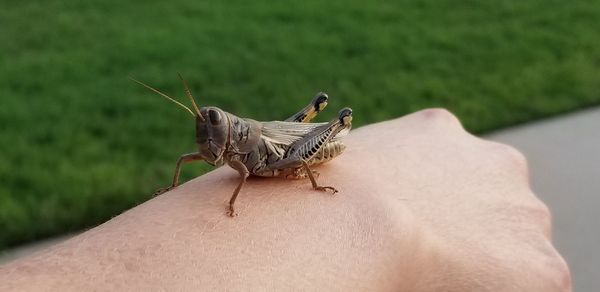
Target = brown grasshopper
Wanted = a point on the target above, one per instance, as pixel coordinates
(277, 148)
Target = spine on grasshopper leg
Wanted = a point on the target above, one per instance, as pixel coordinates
(314, 145)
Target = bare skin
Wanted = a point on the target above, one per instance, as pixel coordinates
(422, 206)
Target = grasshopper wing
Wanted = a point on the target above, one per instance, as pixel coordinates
(286, 133)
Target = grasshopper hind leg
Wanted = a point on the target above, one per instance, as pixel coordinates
(313, 181)
(318, 103)
(316, 147)
(300, 173)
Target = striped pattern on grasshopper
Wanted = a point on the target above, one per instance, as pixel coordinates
(272, 149)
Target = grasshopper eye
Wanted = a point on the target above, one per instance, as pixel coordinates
(214, 117)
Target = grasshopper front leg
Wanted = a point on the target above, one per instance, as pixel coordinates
(244, 173)
(184, 158)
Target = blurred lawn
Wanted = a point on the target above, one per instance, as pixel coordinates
(79, 142)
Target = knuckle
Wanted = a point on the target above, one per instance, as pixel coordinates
(515, 155)
(534, 263)
(439, 115)
(512, 154)
(543, 214)
(550, 269)
(540, 214)
(511, 157)
(543, 260)
(565, 281)
(557, 272)
(527, 211)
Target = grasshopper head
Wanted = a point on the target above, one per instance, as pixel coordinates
(212, 125)
(212, 134)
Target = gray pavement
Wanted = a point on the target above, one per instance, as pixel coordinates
(564, 160)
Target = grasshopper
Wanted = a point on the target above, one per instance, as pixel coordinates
(270, 149)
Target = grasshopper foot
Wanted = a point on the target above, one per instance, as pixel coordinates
(326, 188)
(162, 191)
(231, 213)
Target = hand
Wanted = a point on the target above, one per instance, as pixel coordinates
(423, 206)
(473, 197)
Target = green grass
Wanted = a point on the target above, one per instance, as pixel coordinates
(79, 142)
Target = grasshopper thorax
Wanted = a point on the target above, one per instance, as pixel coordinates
(212, 134)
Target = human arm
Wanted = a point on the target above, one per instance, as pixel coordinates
(423, 206)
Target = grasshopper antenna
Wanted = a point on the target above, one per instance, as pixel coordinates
(163, 95)
(189, 95)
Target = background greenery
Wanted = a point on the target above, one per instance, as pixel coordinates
(79, 142)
